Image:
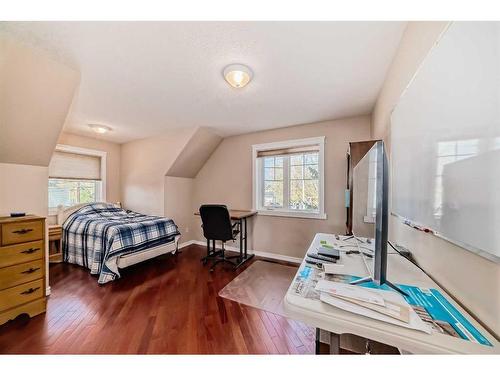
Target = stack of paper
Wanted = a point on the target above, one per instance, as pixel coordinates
(378, 304)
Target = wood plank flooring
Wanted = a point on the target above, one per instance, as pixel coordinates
(168, 305)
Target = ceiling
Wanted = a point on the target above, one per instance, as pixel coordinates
(141, 78)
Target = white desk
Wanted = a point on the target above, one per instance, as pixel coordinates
(402, 271)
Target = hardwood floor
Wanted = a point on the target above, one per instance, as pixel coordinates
(167, 305)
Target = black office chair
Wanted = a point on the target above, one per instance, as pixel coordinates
(217, 226)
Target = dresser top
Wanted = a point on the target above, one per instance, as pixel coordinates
(8, 219)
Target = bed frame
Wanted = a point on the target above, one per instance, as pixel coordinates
(127, 260)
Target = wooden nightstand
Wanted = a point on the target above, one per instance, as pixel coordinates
(55, 244)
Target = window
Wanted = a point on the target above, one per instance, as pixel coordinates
(71, 192)
(76, 176)
(450, 152)
(273, 182)
(288, 178)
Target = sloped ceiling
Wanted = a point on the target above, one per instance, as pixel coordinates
(145, 78)
(35, 95)
(144, 163)
(195, 153)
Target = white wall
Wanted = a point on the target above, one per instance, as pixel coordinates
(179, 204)
(23, 188)
(35, 96)
(227, 178)
(417, 40)
(144, 164)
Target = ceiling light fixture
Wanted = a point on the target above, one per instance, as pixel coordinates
(237, 75)
(101, 129)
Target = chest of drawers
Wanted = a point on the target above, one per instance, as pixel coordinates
(22, 267)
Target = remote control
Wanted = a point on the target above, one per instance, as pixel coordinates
(313, 261)
(321, 257)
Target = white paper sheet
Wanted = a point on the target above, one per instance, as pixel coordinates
(351, 291)
(334, 268)
(415, 322)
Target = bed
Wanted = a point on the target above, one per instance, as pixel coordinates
(105, 238)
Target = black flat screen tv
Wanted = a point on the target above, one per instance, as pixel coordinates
(371, 210)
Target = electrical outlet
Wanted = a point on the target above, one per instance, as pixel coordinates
(187, 229)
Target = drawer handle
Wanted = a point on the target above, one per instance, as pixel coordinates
(31, 270)
(30, 290)
(22, 231)
(30, 251)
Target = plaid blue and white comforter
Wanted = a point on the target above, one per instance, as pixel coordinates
(95, 236)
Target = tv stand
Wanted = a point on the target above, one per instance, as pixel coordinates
(386, 282)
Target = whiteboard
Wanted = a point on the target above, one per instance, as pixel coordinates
(445, 140)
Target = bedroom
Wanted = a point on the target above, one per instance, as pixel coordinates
(179, 172)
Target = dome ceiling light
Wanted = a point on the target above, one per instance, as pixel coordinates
(100, 129)
(237, 75)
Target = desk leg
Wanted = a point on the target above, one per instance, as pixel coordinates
(317, 342)
(334, 343)
(333, 338)
(244, 257)
(241, 240)
(245, 222)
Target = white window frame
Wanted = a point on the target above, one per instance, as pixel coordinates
(258, 180)
(85, 151)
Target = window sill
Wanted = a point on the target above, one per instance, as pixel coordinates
(299, 215)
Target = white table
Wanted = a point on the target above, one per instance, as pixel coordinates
(402, 271)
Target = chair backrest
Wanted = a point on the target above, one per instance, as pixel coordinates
(216, 222)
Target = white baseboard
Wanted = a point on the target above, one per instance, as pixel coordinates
(263, 254)
(285, 258)
(187, 243)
